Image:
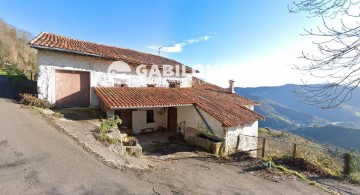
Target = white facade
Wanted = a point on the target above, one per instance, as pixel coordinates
(139, 120)
(192, 119)
(49, 61)
(247, 134)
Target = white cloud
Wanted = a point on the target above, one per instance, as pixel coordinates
(271, 70)
(178, 47)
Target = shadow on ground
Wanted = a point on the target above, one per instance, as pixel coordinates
(7, 89)
(80, 114)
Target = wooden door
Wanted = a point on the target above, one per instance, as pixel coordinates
(72, 88)
(126, 118)
(172, 119)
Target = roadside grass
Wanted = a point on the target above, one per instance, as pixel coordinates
(19, 81)
(14, 76)
(310, 157)
(299, 175)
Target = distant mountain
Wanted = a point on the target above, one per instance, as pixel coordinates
(339, 127)
(334, 135)
(283, 110)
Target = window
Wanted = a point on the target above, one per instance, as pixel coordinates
(120, 85)
(150, 116)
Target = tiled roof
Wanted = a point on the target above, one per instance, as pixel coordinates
(130, 97)
(60, 43)
(230, 109)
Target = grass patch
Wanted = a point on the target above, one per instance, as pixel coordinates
(3, 73)
(14, 76)
(59, 114)
(310, 157)
(19, 81)
(298, 174)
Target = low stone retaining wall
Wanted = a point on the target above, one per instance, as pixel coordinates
(210, 143)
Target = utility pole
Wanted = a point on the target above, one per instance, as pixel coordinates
(160, 49)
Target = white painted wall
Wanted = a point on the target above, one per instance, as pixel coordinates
(248, 138)
(139, 119)
(49, 61)
(230, 134)
(193, 120)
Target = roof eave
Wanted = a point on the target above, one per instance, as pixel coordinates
(139, 107)
(64, 50)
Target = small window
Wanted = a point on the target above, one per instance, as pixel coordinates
(150, 116)
(120, 85)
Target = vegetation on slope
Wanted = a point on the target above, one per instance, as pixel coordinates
(14, 50)
(331, 134)
(310, 157)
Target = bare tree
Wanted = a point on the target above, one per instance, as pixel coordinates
(337, 61)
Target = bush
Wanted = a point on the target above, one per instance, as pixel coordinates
(308, 165)
(31, 100)
(108, 126)
(130, 141)
(106, 139)
(352, 167)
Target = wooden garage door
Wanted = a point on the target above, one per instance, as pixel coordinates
(72, 88)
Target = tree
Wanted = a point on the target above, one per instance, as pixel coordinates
(337, 61)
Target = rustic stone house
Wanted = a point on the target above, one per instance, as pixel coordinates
(75, 73)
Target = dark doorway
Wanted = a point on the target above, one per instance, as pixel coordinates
(126, 119)
(172, 119)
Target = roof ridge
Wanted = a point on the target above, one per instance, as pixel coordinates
(202, 81)
(98, 44)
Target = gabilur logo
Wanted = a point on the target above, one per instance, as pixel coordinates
(119, 67)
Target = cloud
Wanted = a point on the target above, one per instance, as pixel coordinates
(273, 69)
(178, 47)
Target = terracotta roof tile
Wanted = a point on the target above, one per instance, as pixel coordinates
(230, 109)
(57, 42)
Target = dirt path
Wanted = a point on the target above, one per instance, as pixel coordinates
(36, 158)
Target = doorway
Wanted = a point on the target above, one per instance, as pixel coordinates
(172, 119)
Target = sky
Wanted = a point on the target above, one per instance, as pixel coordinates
(256, 43)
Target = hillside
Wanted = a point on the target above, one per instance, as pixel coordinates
(14, 49)
(331, 134)
(284, 111)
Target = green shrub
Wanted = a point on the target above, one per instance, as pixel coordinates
(31, 100)
(130, 141)
(109, 125)
(352, 167)
(106, 139)
(106, 127)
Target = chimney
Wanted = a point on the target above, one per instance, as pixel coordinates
(231, 86)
